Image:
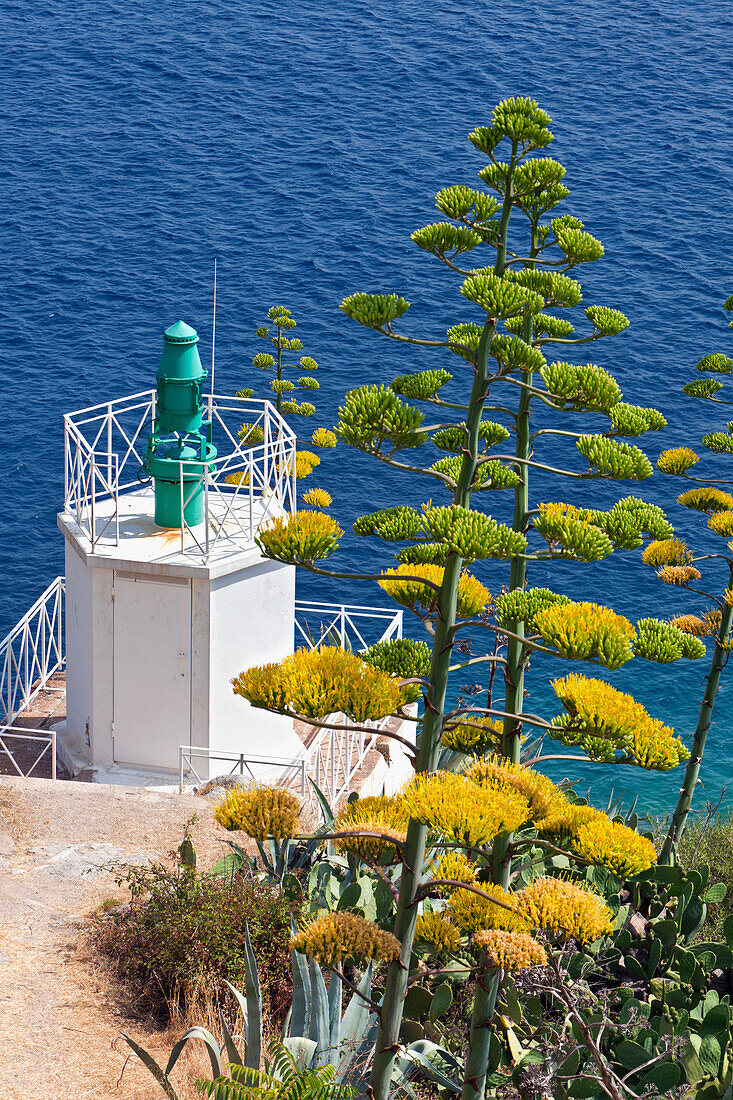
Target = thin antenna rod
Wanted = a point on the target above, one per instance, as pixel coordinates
(213, 334)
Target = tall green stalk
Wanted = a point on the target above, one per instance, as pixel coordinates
(692, 771)
(432, 726)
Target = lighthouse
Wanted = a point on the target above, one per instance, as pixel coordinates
(167, 595)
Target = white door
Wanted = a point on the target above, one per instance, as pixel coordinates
(152, 669)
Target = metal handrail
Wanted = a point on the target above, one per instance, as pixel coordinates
(19, 733)
(292, 768)
(32, 652)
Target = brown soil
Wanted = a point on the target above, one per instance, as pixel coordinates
(61, 1014)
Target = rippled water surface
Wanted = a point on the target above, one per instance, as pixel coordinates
(301, 144)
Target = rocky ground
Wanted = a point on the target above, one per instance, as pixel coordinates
(60, 1012)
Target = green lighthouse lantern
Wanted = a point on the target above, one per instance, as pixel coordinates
(179, 448)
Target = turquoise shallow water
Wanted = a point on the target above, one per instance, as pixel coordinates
(302, 145)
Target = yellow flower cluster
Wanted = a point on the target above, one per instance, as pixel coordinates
(298, 537)
(678, 460)
(613, 845)
(335, 938)
(454, 867)
(460, 810)
(586, 630)
(512, 951)
(572, 530)
(706, 500)
(305, 463)
(565, 908)
(317, 498)
(250, 435)
(322, 437)
(722, 523)
(373, 814)
(474, 738)
(260, 812)
(543, 798)
(470, 911)
(678, 574)
(691, 624)
(668, 552)
(318, 682)
(597, 710)
(437, 933)
(400, 585)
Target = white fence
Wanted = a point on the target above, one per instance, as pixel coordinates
(104, 447)
(29, 656)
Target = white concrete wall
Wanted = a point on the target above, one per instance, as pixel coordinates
(252, 615)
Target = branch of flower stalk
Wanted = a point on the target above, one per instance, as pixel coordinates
(355, 728)
(554, 431)
(564, 340)
(349, 985)
(398, 844)
(420, 974)
(486, 659)
(425, 890)
(387, 331)
(531, 719)
(443, 404)
(495, 629)
(541, 466)
(354, 576)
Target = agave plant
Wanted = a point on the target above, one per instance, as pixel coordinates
(287, 1078)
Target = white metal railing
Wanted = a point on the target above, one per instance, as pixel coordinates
(29, 656)
(254, 767)
(336, 756)
(104, 448)
(349, 626)
(13, 739)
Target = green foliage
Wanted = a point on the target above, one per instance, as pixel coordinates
(556, 289)
(630, 519)
(184, 931)
(423, 385)
(521, 605)
(632, 420)
(557, 328)
(703, 387)
(715, 364)
(286, 1079)
(403, 657)
(471, 534)
(500, 298)
(720, 443)
(466, 337)
(512, 353)
(423, 553)
(454, 438)
(446, 239)
(393, 524)
(708, 842)
(605, 321)
(658, 641)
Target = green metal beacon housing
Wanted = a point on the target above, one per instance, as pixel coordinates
(180, 450)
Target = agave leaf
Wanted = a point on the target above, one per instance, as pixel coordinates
(355, 1022)
(334, 1017)
(302, 1050)
(242, 1007)
(319, 1029)
(323, 803)
(254, 1004)
(147, 1060)
(233, 1055)
(427, 1054)
(212, 1049)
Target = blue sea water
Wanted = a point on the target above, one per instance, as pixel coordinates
(301, 144)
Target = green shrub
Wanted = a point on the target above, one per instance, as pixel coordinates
(183, 932)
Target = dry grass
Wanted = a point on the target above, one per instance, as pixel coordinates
(15, 817)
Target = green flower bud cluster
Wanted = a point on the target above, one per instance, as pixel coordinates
(424, 383)
(519, 119)
(631, 518)
(719, 443)
(443, 237)
(303, 409)
(374, 310)
(281, 386)
(401, 657)
(572, 536)
(245, 394)
(307, 383)
(263, 360)
(632, 420)
(536, 175)
(495, 475)
(703, 387)
(469, 336)
(514, 354)
(728, 303)
(374, 415)
(280, 316)
(396, 524)
(544, 325)
(664, 643)
(522, 605)
(454, 438)
(457, 201)
(613, 459)
(423, 553)
(500, 298)
(715, 364)
(582, 387)
(556, 289)
(451, 467)
(608, 322)
(471, 534)
(580, 247)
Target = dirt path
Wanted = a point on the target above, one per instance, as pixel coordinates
(59, 1020)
